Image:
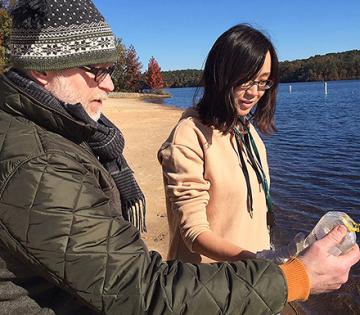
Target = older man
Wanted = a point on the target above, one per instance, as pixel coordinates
(67, 194)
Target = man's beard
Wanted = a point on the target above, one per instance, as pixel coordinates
(66, 93)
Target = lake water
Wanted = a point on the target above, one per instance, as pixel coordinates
(314, 163)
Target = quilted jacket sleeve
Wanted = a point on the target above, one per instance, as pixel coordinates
(55, 217)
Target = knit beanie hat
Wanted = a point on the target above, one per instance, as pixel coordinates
(59, 34)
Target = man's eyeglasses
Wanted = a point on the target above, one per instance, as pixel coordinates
(261, 85)
(99, 73)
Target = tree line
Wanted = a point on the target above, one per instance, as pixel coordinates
(332, 66)
(182, 78)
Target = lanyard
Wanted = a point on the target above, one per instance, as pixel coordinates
(246, 141)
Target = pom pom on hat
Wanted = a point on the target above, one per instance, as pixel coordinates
(29, 14)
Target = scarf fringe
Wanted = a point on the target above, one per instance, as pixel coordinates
(135, 211)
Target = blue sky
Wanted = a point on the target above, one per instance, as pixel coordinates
(179, 34)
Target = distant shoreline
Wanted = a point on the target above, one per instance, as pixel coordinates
(137, 95)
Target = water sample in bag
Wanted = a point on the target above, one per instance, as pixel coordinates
(327, 223)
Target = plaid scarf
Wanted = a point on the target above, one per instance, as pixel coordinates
(107, 143)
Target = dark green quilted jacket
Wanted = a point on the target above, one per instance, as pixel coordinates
(65, 248)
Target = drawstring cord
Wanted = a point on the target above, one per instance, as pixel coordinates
(246, 143)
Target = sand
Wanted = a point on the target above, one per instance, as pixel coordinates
(145, 127)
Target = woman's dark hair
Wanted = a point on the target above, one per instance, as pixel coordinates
(236, 57)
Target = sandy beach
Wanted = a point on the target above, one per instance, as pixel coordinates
(145, 127)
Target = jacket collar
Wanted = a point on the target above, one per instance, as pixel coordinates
(17, 102)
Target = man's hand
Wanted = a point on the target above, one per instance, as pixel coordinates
(327, 272)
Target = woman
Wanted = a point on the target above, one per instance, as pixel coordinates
(214, 163)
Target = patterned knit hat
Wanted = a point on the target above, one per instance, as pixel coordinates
(59, 34)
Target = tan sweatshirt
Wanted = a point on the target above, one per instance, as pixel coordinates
(206, 189)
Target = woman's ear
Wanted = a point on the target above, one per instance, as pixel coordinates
(42, 77)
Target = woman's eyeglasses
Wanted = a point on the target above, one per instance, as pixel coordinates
(261, 85)
(99, 73)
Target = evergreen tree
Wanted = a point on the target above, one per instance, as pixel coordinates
(154, 79)
(133, 70)
(119, 75)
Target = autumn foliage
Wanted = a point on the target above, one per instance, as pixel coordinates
(153, 76)
(132, 70)
(5, 28)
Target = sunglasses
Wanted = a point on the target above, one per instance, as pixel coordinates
(99, 73)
